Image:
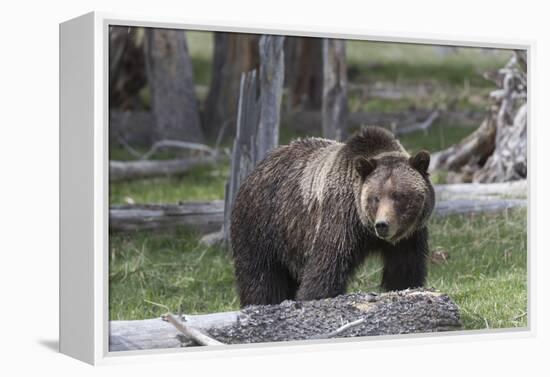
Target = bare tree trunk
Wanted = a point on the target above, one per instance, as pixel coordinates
(170, 77)
(257, 120)
(244, 146)
(233, 54)
(497, 150)
(334, 89)
(304, 72)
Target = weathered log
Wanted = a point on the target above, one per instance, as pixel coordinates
(515, 189)
(470, 206)
(402, 312)
(209, 216)
(127, 170)
(202, 217)
(155, 333)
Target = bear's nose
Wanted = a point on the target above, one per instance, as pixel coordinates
(382, 228)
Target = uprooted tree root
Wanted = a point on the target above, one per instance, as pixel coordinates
(497, 150)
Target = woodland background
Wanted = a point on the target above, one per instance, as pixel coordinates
(432, 97)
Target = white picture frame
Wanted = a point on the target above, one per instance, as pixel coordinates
(84, 326)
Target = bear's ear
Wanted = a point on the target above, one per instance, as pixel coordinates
(364, 166)
(421, 161)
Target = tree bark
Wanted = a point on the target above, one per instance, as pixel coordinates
(334, 89)
(170, 77)
(234, 53)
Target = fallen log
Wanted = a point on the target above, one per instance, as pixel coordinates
(514, 189)
(350, 315)
(202, 217)
(206, 217)
(127, 170)
(470, 206)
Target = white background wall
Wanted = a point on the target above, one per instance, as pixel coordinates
(29, 183)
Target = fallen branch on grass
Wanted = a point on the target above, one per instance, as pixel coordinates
(190, 332)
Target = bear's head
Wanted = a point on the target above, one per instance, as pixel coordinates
(395, 196)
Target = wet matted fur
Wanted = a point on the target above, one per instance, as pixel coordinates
(311, 211)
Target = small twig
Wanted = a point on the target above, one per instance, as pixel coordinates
(422, 126)
(339, 330)
(127, 146)
(191, 332)
(177, 144)
(221, 134)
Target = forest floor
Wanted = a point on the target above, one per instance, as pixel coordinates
(479, 260)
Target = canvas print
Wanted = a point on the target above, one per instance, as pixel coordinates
(271, 188)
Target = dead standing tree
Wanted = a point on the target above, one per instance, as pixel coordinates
(497, 150)
(257, 118)
(334, 110)
(170, 77)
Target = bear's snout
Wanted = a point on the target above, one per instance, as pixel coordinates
(382, 228)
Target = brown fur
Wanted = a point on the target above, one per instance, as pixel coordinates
(305, 218)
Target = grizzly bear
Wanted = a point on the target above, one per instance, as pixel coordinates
(308, 215)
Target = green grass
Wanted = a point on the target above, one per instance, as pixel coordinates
(402, 62)
(151, 273)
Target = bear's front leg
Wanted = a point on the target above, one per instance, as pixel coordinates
(325, 277)
(405, 262)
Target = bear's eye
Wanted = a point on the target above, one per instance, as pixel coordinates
(373, 199)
